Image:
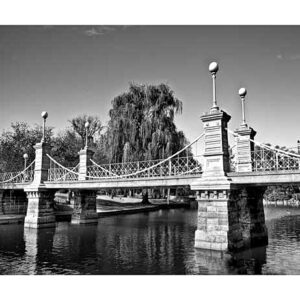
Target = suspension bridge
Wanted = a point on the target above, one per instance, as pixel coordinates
(229, 181)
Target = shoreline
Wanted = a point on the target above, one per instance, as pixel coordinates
(105, 208)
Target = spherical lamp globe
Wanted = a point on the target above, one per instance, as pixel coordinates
(242, 92)
(44, 115)
(213, 67)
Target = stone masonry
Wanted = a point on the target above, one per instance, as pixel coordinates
(40, 211)
(84, 211)
(230, 216)
(244, 148)
(230, 219)
(84, 161)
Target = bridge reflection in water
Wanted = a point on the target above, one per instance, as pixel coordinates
(160, 242)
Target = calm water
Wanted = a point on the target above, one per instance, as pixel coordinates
(159, 242)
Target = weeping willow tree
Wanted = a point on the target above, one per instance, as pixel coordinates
(141, 125)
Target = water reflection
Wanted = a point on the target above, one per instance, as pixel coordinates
(39, 244)
(152, 244)
(12, 248)
(148, 243)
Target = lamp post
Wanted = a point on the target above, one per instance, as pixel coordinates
(86, 125)
(242, 94)
(213, 69)
(25, 156)
(44, 115)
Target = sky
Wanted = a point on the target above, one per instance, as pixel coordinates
(72, 70)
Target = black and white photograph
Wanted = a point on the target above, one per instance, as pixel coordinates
(149, 149)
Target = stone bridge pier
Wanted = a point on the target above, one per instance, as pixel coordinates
(230, 216)
(40, 211)
(84, 211)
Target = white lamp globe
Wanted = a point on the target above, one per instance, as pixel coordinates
(213, 67)
(242, 92)
(44, 115)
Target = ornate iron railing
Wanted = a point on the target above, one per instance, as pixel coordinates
(57, 173)
(145, 169)
(267, 160)
(24, 176)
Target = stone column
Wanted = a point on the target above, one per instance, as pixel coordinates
(216, 153)
(214, 187)
(84, 161)
(1, 202)
(40, 211)
(244, 148)
(42, 163)
(230, 217)
(84, 211)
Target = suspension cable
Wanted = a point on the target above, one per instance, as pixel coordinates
(22, 172)
(61, 166)
(266, 146)
(151, 167)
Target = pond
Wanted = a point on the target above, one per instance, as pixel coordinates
(159, 242)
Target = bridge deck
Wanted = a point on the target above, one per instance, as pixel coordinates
(245, 178)
(266, 177)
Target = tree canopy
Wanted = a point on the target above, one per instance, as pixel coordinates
(141, 125)
(78, 125)
(17, 141)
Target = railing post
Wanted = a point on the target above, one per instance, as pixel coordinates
(187, 164)
(85, 156)
(170, 167)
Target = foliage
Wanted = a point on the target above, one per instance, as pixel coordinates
(65, 148)
(281, 192)
(141, 125)
(16, 141)
(78, 124)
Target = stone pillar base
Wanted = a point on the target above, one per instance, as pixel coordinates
(40, 211)
(1, 202)
(231, 219)
(84, 211)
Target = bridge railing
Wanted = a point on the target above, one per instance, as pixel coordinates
(146, 169)
(266, 160)
(63, 174)
(24, 176)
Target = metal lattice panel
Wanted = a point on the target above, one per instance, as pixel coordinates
(146, 169)
(267, 160)
(18, 177)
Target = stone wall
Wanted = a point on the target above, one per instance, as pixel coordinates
(14, 202)
(231, 219)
